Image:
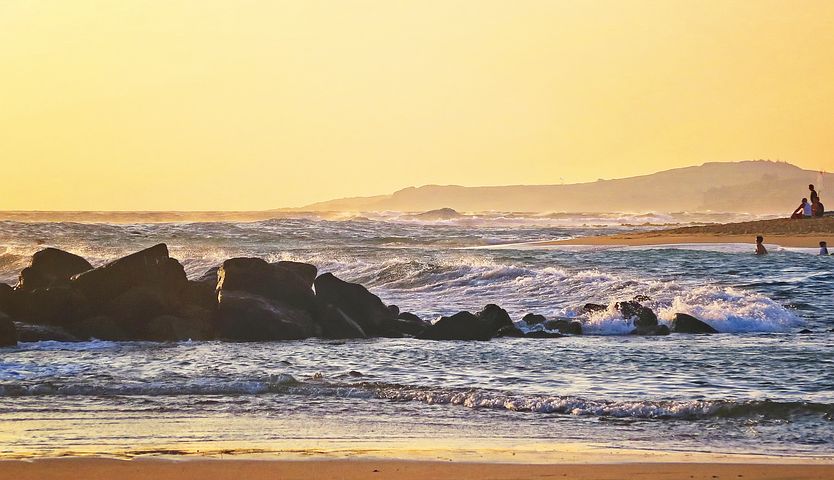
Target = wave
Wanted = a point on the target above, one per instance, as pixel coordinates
(285, 384)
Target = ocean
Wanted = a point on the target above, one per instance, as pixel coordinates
(758, 387)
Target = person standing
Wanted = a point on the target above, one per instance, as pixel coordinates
(814, 196)
(823, 248)
(760, 249)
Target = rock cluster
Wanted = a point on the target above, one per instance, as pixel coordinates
(147, 296)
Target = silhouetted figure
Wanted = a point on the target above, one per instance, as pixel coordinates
(760, 249)
(823, 248)
(814, 195)
(803, 210)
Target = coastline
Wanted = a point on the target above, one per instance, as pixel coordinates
(233, 469)
(783, 232)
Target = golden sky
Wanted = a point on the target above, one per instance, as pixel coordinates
(198, 105)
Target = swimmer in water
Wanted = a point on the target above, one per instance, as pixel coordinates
(760, 249)
(823, 248)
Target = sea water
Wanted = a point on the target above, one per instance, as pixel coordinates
(757, 387)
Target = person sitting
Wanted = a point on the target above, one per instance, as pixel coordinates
(823, 248)
(817, 208)
(803, 210)
(760, 249)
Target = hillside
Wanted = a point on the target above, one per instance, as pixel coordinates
(757, 186)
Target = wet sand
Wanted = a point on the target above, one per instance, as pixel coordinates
(805, 233)
(206, 469)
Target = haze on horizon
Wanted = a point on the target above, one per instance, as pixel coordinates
(247, 105)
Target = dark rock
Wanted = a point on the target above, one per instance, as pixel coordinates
(50, 266)
(271, 281)
(150, 266)
(305, 271)
(643, 317)
(395, 310)
(210, 276)
(564, 325)
(6, 295)
(57, 305)
(173, 328)
(642, 298)
(593, 307)
(460, 326)
(805, 331)
(543, 334)
(247, 317)
(651, 330)
(8, 333)
(410, 317)
(533, 319)
(683, 323)
(39, 333)
(336, 324)
(355, 301)
(509, 331)
(495, 317)
(134, 309)
(100, 327)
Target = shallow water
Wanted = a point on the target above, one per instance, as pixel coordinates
(758, 387)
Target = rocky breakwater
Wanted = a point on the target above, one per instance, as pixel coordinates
(147, 296)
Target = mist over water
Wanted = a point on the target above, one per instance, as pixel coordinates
(756, 387)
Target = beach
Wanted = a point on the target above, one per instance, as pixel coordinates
(806, 233)
(100, 469)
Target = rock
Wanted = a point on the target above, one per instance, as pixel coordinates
(305, 271)
(460, 326)
(593, 307)
(336, 324)
(56, 305)
(564, 325)
(39, 333)
(8, 333)
(495, 317)
(395, 310)
(651, 330)
(6, 295)
(270, 281)
(643, 317)
(355, 301)
(410, 317)
(804, 331)
(100, 327)
(543, 334)
(210, 276)
(532, 319)
(439, 214)
(247, 317)
(509, 331)
(50, 266)
(683, 323)
(642, 298)
(173, 328)
(134, 309)
(150, 266)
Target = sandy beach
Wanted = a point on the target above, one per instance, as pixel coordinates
(101, 468)
(784, 232)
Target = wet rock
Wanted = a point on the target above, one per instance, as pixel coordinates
(40, 333)
(651, 330)
(247, 317)
(543, 334)
(151, 266)
(305, 271)
(460, 326)
(683, 323)
(804, 331)
(56, 305)
(8, 333)
(410, 317)
(271, 281)
(50, 266)
(533, 319)
(564, 325)
(405, 326)
(6, 295)
(356, 302)
(495, 317)
(336, 324)
(643, 317)
(395, 310)
(593, 307)
(173, 328)
(642, 298)
(509, 331)
(100, 327)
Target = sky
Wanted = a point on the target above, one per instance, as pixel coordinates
(249, 105)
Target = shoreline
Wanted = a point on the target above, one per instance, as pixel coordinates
(659, 238)
(349, 469)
